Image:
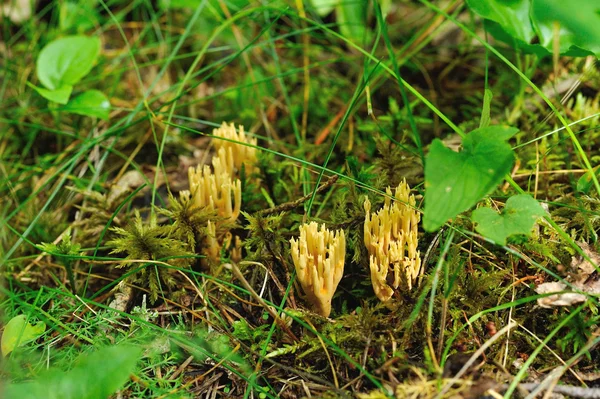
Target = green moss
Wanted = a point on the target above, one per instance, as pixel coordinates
(143, 241)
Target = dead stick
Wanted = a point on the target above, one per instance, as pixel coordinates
(238, 274)
(294, 204)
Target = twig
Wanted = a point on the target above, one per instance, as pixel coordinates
(238, 274)
(181, 368)
(294, 204)
(475, 355)
(569, 390)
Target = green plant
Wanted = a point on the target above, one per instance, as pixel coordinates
(265, 235)
(64, 251)
(19, 331)
(573, 25)
(96, 375)
(518, 217)
(61, 65)
(455, 181)
(78, 15)
(580, 329)
(188, 222)
(150, 242)
(344, 98)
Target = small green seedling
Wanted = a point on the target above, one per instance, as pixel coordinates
(64, 252)
(62, 64)
(586, 182)
(97, 375)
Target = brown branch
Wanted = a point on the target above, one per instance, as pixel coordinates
(294, 204)
(281, 323)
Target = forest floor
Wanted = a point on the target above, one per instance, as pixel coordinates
(161, 164)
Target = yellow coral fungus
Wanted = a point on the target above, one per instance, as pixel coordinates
(223, 161)
(241, 154)
(319, 259)
(391, 239)
(211, 248)
(216, 190)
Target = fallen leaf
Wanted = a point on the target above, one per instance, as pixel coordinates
(582, 266)
(560, 298)
(566, 298)
(18, 11)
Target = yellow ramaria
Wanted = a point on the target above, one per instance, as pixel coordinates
(215, 188)
(318, 256)
(233, 147)
(211, 247)
(390, 235)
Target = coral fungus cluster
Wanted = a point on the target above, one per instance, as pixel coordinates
(390, 235)
(235, 145)
(217, 189)
(318, 256)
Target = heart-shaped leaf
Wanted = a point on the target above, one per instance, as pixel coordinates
(518, 217)
(18, 332)
(66, 61)
(89, 103)
(455, 181)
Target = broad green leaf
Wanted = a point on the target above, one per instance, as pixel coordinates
(496, 30)
(60, 95)
(96, 376)
(18, 332)
(578, 21)
(519, 22)
(518, 217)
(89, 103)
(511, 15)
(455, 181)
(67, 60)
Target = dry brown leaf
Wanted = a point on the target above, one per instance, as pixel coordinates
(559, 299)
(17, 11)
(581, 266)
(582, 270)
